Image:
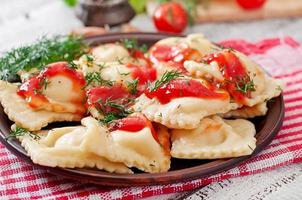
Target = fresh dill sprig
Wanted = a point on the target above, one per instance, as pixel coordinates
(109, 118)
(21, 132)
(120, 105)
(132, 86)
(121, 108)
(244, 85)
(166, 78)
(38, 55)
(132, 44)
(96, 78)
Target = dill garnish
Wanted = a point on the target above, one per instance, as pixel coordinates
(245, 84)
(166, 78)
(132, 86)
(21, 132)
(38, 55)
(132, 45)
(118, 109)
(72, 65)
(120, 60)
(96, 78)
(109, 118)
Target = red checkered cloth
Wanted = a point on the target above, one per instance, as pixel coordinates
(280, 57)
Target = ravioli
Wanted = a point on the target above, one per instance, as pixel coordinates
(179, 111)
(60, 147)
(18, 111)
(247, 112)
(134, 149)
(214, 138)
(265, 87)
(56, 88)
(192, 47)
(110, 52)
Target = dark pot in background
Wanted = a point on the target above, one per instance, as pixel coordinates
(104, 12)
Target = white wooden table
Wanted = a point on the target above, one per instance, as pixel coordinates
(23, 21)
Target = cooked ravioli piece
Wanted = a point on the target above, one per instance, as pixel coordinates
(266, 87)
(171, 53)
(214, 138)
(182, 103)
(252, 85)
(60, 147)
(110, 52)
(181, 113)
(138, 148)
(24, 116)
(247, 112)
(57, 88)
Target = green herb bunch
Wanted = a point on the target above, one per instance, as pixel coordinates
(38, 55)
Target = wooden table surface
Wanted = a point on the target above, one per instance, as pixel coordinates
(23, 21)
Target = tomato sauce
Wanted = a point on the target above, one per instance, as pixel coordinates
(182, 87)
(97, 97)
(174, 55)
(233, 71)
(143, 74)
(134, 123)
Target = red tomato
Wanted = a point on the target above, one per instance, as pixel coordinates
(251, 4)
(170, 17)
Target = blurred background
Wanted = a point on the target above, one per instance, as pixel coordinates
(24, 21)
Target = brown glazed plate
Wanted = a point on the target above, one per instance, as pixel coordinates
(181, 170)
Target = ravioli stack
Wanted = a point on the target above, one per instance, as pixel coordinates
(139, 107)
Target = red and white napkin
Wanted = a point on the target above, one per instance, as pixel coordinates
(281, 57)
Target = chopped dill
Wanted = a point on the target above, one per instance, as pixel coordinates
(96, 78)
(132, 86)
(120, 105)
(132, 45)
(21, 132)
(244, 85)
(166, 78)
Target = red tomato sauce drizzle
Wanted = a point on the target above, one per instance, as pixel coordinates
(96, 97)
(174, 55)
(134, 123)
(232, 70)
(144, 75)
(181, 87)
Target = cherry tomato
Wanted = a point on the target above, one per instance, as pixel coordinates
(170, 17)
(251, 4)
